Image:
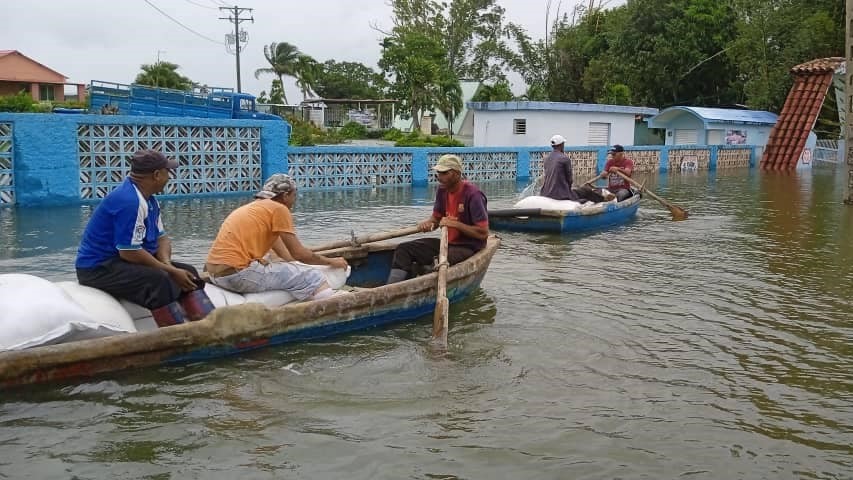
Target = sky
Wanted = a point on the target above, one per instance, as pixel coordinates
(108, 40)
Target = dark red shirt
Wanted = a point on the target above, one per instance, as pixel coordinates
(468, 205)
(614, 181)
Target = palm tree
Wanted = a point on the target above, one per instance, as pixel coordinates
(306, 72)
(283, 58)
(163, 74)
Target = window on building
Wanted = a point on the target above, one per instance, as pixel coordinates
(519, 126)
(46, 92)
(599, 134)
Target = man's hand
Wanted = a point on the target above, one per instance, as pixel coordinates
(426, 225)
(451, 222)
(613, 169)
(338, 262)
(183, 278)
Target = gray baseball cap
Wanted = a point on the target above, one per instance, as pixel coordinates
(147, 161)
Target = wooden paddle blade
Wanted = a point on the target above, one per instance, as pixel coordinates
(440, 318)
(678, 213)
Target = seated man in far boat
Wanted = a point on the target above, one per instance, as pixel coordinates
(461, 207)
(618, 162)
(236, 259)
(125, 250)
(558, 177)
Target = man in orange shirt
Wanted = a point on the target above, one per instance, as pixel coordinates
(236, 258)
(460, 206)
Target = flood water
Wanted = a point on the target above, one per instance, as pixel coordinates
(714, 348)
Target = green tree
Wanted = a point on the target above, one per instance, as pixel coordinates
(775, 35)
(283, 58)
(673, 52)
(277, 93)
(349, 80)
(416, 64)
(307, 71)
(163, 74)
(499, 92)
(530, 62)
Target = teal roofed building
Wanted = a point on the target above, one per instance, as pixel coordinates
(714, 126)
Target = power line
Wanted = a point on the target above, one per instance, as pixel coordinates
(200, 5)
(181, 24)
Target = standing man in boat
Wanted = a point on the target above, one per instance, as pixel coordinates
(557, 183)
(460, 206)
(125, 250)
(617, 161)
(236, 259)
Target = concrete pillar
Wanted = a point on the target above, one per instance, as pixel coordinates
(34, 91)
(848, 93)
(522, 165)
(420, 167)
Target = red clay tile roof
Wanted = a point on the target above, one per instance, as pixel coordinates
(820, 65)
(799, 114)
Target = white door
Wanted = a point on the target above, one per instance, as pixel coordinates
(716, 137)
(685, 136)
(599, 134)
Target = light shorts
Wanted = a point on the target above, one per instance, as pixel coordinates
(300, 280)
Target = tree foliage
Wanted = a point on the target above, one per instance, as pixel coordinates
(164, 75)
(284, 60)
(349, 80)
(417, 65)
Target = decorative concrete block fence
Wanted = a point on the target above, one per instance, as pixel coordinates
(56, 159)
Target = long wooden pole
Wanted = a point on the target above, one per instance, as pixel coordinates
(678, 213)
(848, 102)
(442, 305)
(370, 238)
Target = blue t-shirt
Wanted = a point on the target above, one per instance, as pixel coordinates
(123, 221)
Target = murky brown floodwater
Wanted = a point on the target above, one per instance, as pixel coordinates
(716, 348)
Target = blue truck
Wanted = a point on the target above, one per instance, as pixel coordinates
(203, 102)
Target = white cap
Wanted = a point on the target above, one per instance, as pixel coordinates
(557, 139)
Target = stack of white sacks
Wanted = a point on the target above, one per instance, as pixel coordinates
(546, 203)
(37, 312)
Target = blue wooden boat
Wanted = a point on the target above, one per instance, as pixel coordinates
(241, 328)
(562, 221)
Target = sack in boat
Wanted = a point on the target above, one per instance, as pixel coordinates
(39, 312)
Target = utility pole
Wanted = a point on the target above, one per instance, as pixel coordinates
(848, 101)
(238, 35)
(157, 69)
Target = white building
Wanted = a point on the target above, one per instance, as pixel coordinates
(530, 124)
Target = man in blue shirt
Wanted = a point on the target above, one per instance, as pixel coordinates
(125, 250)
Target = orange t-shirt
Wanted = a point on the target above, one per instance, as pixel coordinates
(248, 233)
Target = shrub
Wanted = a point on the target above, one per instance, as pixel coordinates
(21, 102)
(393, 135)
(353, 130)
(414, 139)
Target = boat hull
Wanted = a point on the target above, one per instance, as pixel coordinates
(557, 221)
(241, 328)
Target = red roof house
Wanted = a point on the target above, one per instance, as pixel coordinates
(19, 72)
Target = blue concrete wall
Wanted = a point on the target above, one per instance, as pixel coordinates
(63, 159)
(47, 154)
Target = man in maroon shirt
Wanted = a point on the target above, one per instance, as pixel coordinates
(618, 162)
(460, 206)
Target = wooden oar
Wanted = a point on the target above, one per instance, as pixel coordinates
(370, 238)
(439, 318)
(678, 213)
